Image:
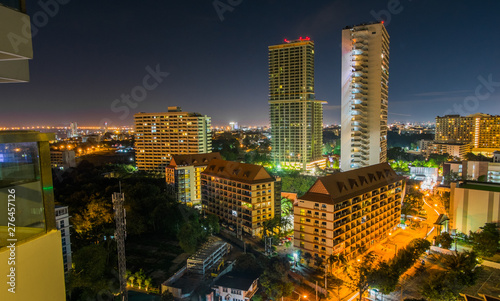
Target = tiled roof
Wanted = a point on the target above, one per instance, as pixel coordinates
(337, 187)
(193, 159)
(241, 172)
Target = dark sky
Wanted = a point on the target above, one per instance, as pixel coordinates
(91, 52)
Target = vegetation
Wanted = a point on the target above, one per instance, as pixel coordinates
(444, 240)
(87, 190)
(413, 200)
(459, 270)
(274, 279)
(293, 181)
(386, 276)
(359, 274)
(486, 241)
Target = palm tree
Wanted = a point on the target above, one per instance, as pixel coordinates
(147, 283)
(131, 278)
(459, 265)
(358, 274)
(335, 259)
(140, 276)
(286, 206)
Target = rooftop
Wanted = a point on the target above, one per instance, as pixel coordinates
(487, 186)
(240, 172)
(235, 281)
(340, 186)
(193, 159)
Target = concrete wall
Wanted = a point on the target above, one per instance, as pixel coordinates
(471, 209)
(39, 270)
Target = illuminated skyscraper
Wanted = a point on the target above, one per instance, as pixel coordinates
(296, 116)
(365, 80)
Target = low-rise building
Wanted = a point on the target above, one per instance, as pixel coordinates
(62, 159)
(458, 150)
(183, 176)
(472, 204)
(240, 194)
(483, 171)
(235, 287)
(348, 212)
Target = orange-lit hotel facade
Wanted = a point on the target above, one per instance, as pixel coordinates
(348, 212)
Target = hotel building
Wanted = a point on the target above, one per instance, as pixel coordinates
(240, 194)
(481, 131)
(296, 116)
(348, 212)
(183, 176)
(158, 136)
(365, 84)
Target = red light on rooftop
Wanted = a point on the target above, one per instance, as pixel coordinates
(382, 22)
(308, 38)
(286, 41)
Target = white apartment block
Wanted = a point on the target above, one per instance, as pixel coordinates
(62, 224)
(365, 82)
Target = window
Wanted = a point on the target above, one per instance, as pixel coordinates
(21, 184)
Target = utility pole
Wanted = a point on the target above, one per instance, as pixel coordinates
(316, 290)
(120, 236)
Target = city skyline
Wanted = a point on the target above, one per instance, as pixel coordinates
(120, 51)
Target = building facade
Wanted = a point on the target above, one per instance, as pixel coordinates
(457, 150)
(481, 131)
(365, 84)
(242, 195)
(16, 46)
(63, 159)
(158, 136)
(472, 204)
(62, 224)
(30, 245)
(183, 176)
(295, 114)
(348, 212)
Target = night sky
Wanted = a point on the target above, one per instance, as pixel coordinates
(92, 52)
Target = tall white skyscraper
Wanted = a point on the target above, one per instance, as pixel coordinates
(365, 80)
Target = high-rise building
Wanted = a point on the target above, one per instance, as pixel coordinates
(62, 224)
(158, 136)
(183, 176)
(73, 128)
(365, 80)
(481, 131)
(348, 212)
(240, 194)
(296, 116)
(30, 245)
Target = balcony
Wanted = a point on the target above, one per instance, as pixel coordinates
(15, 42)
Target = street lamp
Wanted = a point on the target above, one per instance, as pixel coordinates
(304, 296)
